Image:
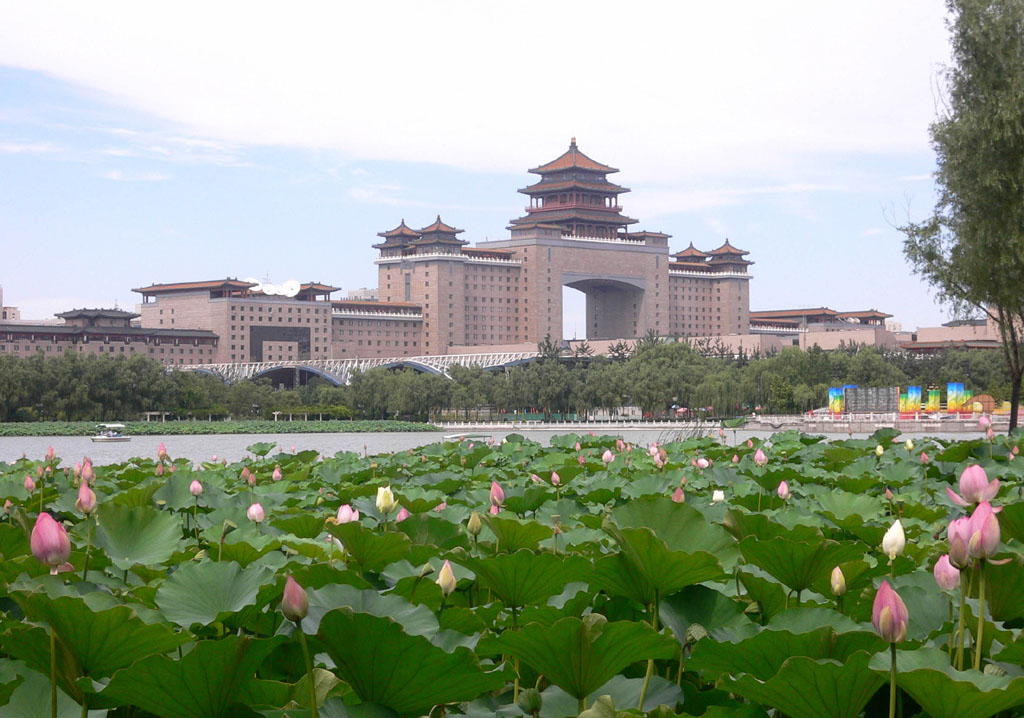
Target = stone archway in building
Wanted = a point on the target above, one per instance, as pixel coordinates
(615, 304)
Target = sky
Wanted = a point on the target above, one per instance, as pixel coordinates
(144, 143)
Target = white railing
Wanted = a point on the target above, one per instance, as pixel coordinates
(713, 275)
(376, 315)
(445, 256)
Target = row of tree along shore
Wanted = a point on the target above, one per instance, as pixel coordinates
(657, 378)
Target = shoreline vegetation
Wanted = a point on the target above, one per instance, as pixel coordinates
(182, 428)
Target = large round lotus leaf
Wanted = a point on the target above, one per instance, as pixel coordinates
(680, 526)
(624, 693)
(580, 655)
(31, 699)
(808, 688)
(216, 678)
(712, 610)
(372, 551)
(524, 577)
(139, 535)
(798, 564)
(947, 693)
(207, 592)
(406, 673)
(434, 531)
(514, 534)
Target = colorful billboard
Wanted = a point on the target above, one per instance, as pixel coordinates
(913, 399)
(934, 400)
(954, 397)
(835, 400)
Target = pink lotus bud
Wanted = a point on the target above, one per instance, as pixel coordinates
(658, 462)
(159, 470)
(172, 469)
(7, 506)
(295, 602)
(837, 582)
(946, 574)
(958, 534)
(555, 478)
(536, 479)
(441, 506)
(471, 445)
(494, 509)
(984, 422)
(759, 458)
(990, 433)
(347, 514)
(974, 487)
(678, 496)
(497, 495)
(888, 494)
(213, 458)
(223, 462)
(581, 460)
(256, 513)
(50, 543)
(50, 454)
(195, 488)
(86, 502)
(30, 485)
(983, 528)
(293, 448)
(721, 432)
(889, 614)
(402, 515)
(88, 475)
(735, 458)
(577, 446)
(277, 475)
(750, 443)
(702, 463)
(653, 449)
(446, 579)
(1016, 450)
(161, 452)
(40, 471)
(607, 457)
(924, 458)
(78, 470)
(620, 445)
(783, 491)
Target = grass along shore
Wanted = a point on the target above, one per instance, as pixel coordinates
(154, 428)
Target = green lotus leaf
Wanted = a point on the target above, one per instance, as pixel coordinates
(138, 496)
(680, 526)
(139, 535)
(581, 655)
(212, 680)
(514, 534)
(434, 531)
(304, 525)
(523, 578)
(944, 692)
(174, 493)
(261, 448)
(245, 547)
(372, 551)
(808, 688)
(1011, 521)
(31, 699)
(710, 609)
(208, 592)
(415, 620)
(645, 568)
(384, 664)
(798, 564)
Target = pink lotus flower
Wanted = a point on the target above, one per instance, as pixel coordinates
(974, 487)
(750, 443)
(78, 469)
(990, 433)
(88, 475)
(653, 449)
(735, 458)
(497, 495)
(49, 542)
(889, 614)
(658, 462)
(721, 433)
(7, 506)
(620, 445)
(984, 422)
(678, 496)
(946, 574)
(295, 602)
(1016, 450)
(888, 494)
(86, 502)
(161, 452)
(983, 528)
(172, 469)
(924, 458)
(555, 478)
(347, 514)
(702, 463)
(277, 475)
(256, 513)
(30, 485)
(402, 515)
(577, 446)
(159, 470)
(441, 506)
(783, 491)
(581, 460)
(607, 457)
(50, 454)
(759, 458)
(959, 535)
(213, 458)
(536, 479)
(195, 488)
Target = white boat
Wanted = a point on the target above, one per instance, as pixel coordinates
(110, 433)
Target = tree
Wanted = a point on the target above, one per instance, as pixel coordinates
(972, 248)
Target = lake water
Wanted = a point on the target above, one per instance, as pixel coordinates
(232, 446)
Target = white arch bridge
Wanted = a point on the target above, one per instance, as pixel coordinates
(339, 371)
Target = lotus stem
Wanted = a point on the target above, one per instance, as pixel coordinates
(892, 682)
(85, 707)
(951, 633)
(309, 672)
(53, 673)
(653, 608)
(981, 614)
(581, 704)
(195, 518)
(88, 545)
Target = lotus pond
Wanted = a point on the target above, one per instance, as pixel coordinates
(777, 578)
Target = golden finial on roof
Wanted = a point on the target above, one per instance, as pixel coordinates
(572, 142)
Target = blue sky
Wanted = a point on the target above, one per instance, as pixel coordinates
(161, 148)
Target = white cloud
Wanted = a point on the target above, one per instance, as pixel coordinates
(872, 231)
(667, 90)
(122, 176)
(28, 148)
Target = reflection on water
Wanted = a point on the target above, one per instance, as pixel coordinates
(232, 446)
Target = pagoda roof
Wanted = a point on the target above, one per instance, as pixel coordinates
(559, 215)
(97, 314)
(439, 227)
(318, 288)
(868, 314)
(496, 253)
(402, 230)
(573, 159)
(784, 313)
(228, 283)
(729, 249)
(690, 266)
(691, 251)
(720, 259)
(546, 185)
